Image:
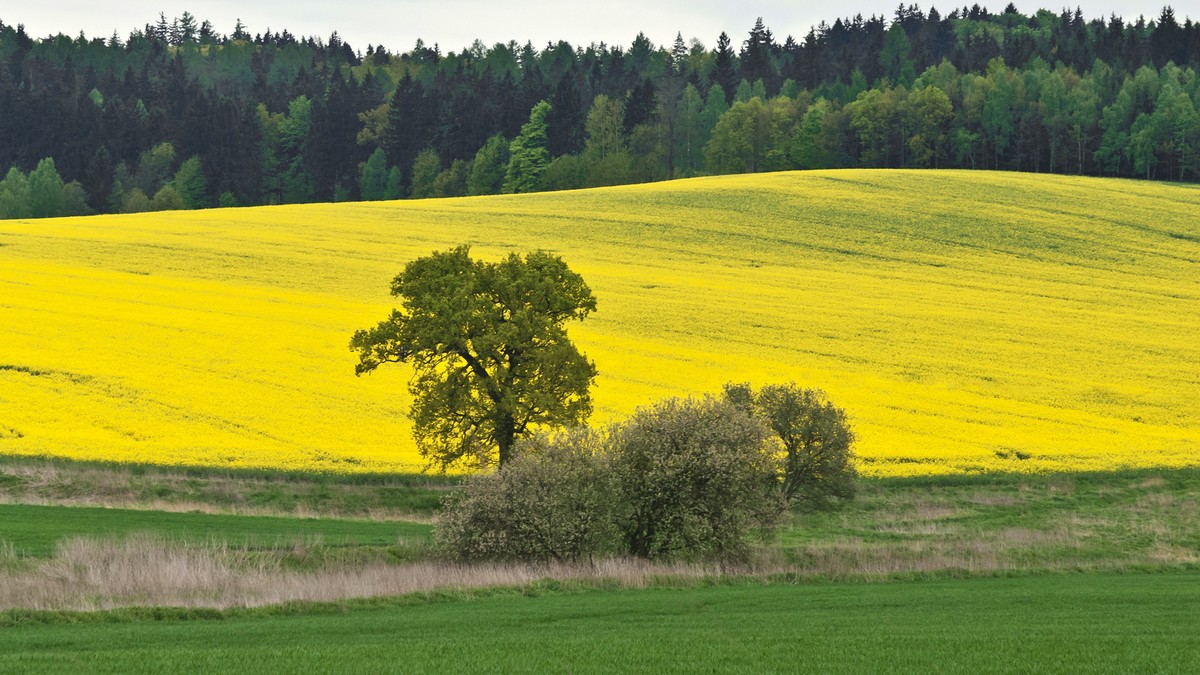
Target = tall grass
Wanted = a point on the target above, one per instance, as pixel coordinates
(92, 574)
(88, 574)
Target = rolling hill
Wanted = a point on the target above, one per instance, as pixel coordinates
(968, 321)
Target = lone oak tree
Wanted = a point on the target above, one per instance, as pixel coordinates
(490, 353)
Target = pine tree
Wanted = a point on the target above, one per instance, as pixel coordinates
(724, 73)
(564, 132)
(756, 53)
(408, 123)
(640, 105)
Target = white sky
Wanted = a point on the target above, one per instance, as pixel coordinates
(454, 24)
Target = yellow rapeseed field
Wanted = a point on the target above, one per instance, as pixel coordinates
(967, 321)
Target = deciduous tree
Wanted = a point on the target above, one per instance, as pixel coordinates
(489, 167)
(818, 460)
(373, 177)
(528, 156)
(489, 349)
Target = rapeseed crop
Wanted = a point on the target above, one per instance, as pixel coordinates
(967, 321)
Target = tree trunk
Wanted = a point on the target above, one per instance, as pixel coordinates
(506, 431)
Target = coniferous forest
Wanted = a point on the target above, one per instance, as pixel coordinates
(179, 115)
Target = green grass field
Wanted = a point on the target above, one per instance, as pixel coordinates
(1109, 624)
(246, 492)
(895, 528)
(33, 530)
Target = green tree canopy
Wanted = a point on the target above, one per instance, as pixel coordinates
(46, 198)
(750, 136)
(154, 167)
(373, 177)
(894, 56)
(489, 348)
(190, 184)
(528, 156)
(604, 129)
(818, 460)
(14, 195)
(425, 170)
(167, 199)
(487, 171)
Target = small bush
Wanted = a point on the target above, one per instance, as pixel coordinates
(686, 478)
(553, 501)
(694, 478)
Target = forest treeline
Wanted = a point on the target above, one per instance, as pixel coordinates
(178, 115)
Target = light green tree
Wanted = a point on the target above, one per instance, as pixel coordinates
(714, 106)
(296, 182)
(75, 200)
(554, 501)
(929, 115)
(807, 141)
(14, 195)
(453, 181)
(568, 172)
(606, 150)
(394, 189)
(999, 120)
(743, 93)
(46, 199)
(693, 478)
(1083, 105)
(528, 156)
(1052, 100)
(135, 201)
(167, 199)
(815, 436)
(489, 167)
(154, 167)
(751, 136)
(604, 129)
(190, 184)
(425, 170)
(373, 177)
(690, 133)
(875, 119)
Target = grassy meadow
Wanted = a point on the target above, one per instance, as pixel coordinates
(207, 539)
(1076, 623)
(968, 322)
(35, 530)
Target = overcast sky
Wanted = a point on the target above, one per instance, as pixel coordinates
(454, 24)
